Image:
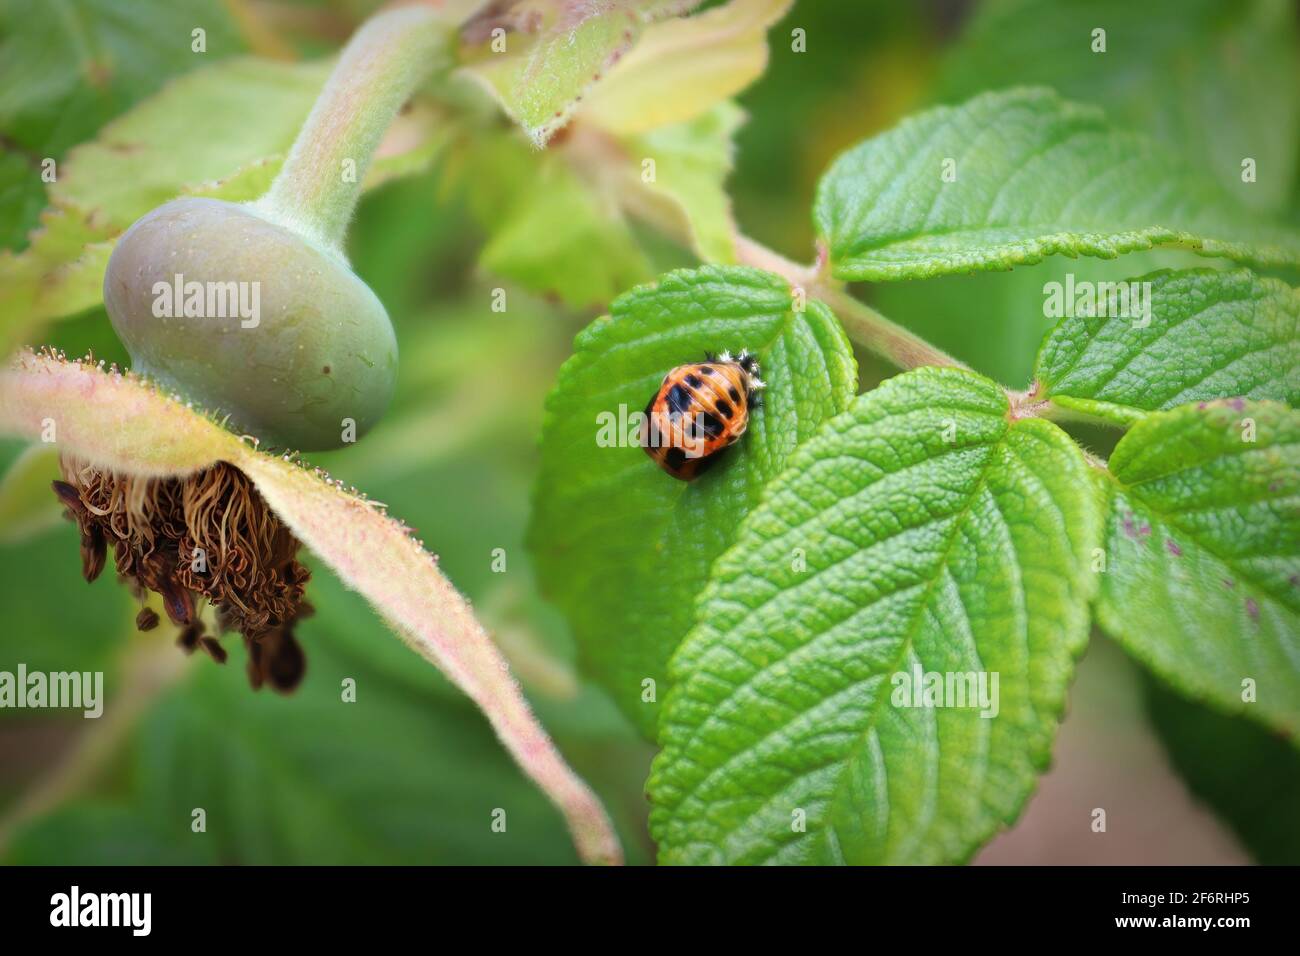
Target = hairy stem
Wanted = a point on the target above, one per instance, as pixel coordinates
(864, 325)
(319, 184)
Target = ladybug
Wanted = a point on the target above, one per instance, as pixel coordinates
(698, 411)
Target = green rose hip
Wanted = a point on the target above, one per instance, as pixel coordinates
(245, 317)
(252, 310)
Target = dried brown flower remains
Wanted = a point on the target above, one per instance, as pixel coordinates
(209, 536)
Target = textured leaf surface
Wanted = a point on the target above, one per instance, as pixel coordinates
(1203, 553)
(936, 535)
(1035, 176)
(555, 51)
(1210, 335)
(623, 548)
(117, 422)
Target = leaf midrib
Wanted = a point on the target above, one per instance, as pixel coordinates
(958, 519)
(941, 568)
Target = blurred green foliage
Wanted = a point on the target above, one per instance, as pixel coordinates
(410, 772)
(1248, 775)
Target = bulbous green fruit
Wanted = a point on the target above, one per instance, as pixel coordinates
(250, 320)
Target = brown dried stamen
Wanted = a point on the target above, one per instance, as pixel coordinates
(208, 536)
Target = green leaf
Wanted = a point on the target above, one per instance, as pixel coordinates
(1032, 175)
(692, 162)
(61, 272)
(995, 320)
(1206, 335)
(920, 530)
(555, 220)
(27, 506)
(1248, 776)
(1202, 548)
(683, 68)
(97, 832)
(1215, 81)
(623, 548)
(555, 51)
(397, 777)
(80, 629)
(21, 197)
(249, 110)
(67, 68)
(561, 236)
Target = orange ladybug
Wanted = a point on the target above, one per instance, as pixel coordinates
(698, 411)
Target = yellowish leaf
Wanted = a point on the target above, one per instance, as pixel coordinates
(680, 69)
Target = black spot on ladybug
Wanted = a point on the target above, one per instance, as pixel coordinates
(679, 400)
(694, 381)
(735, 395)
(712, 425)
(724, 409)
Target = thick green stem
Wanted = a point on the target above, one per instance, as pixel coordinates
(864, 325)
(319, 184)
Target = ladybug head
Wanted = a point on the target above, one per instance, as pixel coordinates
(748, 364)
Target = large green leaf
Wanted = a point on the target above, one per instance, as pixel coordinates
(920, 530)
(1031, 175)
(1216, 81)
(1202, 548)
(623, 548)
(1247, 775)
(1207, 335)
